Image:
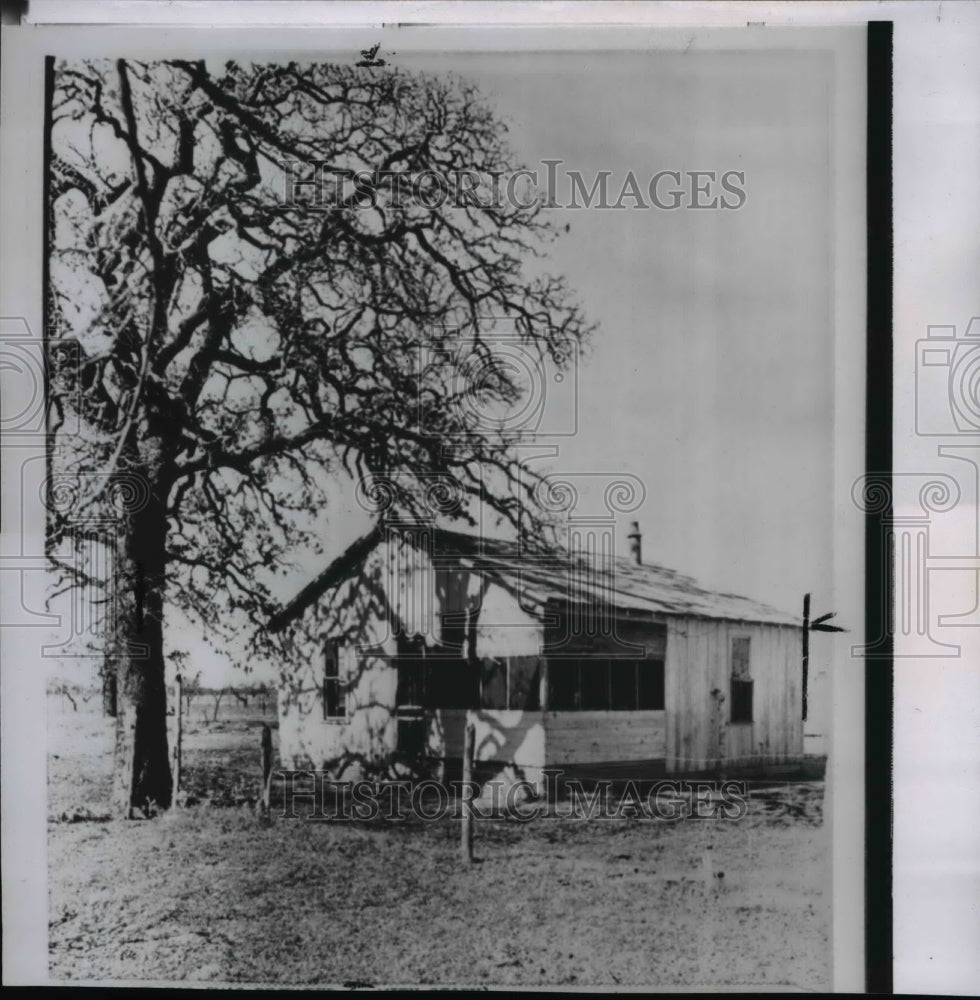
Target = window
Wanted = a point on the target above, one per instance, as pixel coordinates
(563, 685)
(622, 685)
(451, 682)
(493, 689)
(410, 664)
(435, 677)
(650, 685)
(524, 687)
(334, 702)
(741, 682)
(511, 682)
(595, 685)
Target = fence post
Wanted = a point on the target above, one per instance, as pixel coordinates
(469, 743)
(806, 653)
(109, 689)
(178, 741)
(266, 767)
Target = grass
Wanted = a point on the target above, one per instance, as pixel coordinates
(209, 893)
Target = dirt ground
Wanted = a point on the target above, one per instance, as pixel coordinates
(209, 893)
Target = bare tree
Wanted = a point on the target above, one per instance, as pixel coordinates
(65, 690)
(191, 689)
(217, 694)
(237, 350)
(261, 691)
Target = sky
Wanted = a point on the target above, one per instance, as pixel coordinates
(710, 378)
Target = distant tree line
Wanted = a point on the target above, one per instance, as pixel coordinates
(260, 696)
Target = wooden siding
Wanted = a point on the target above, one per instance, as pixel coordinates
(587, 737)
(502, 736)
(698, 672)
(617, 586)
(347, 746)
(630, 638)
(422, 591)
(398, 589)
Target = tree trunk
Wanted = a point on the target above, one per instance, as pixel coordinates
(142, 775)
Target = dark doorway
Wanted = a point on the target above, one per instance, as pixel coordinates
(410, 697)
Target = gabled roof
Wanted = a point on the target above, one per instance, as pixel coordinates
(543, 580)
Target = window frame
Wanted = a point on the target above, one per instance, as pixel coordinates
(450, 684)
(496, 668)
(332, 656)
(557, 665)
(650, 663)
(564, 665)
(506, 666)
(741, 687)
(532, 690)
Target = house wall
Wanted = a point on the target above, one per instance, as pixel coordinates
(402, 589)
(629, 637)
(347, 747)
(503, 737)
(606, 737)
(699, 733)
(359, 615)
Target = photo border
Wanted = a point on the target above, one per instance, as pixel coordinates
(878, 676)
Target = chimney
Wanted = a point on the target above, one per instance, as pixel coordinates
(636, 543)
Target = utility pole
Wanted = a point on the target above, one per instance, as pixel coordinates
(806, 650)
(817, 625)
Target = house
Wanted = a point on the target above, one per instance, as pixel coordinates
(598, 667)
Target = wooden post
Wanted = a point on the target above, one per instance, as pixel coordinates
(109, 695)
(179, 738)
(806, 650)
(543, 684)
(469, 743)
(266, 767)
(818, 624)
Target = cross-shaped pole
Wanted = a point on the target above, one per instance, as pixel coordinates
(817, 625)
